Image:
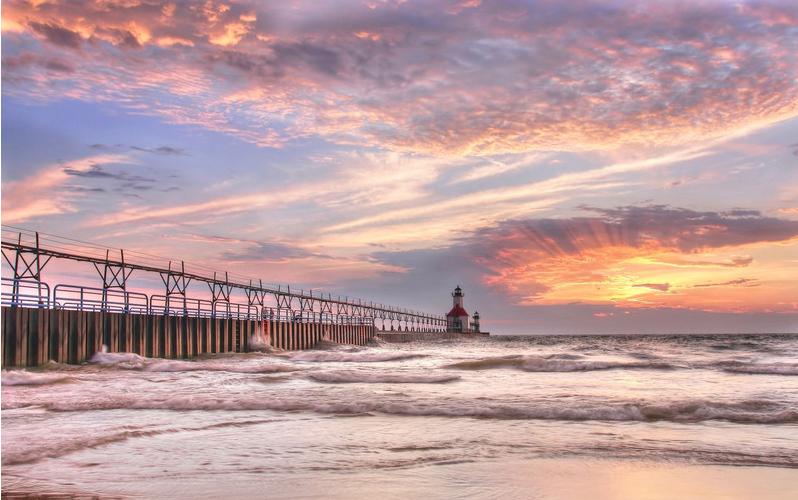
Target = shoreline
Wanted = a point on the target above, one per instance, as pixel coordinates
(550, 478)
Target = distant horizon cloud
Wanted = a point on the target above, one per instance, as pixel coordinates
(634, 256)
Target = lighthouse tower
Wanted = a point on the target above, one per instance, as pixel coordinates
(457, 318)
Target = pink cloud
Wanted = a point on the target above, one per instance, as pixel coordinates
(437, 77)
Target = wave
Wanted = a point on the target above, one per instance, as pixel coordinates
(557, 364)
(759, 368)
(363, 357)
(690, 411)
(20, 377)
(193, 366)
(34, 454)
(131, 361)
(121, 359)
(347, 377)
(564, 356)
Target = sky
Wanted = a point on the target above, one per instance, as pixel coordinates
(577, 167)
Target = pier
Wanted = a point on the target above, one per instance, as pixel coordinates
(68, 323)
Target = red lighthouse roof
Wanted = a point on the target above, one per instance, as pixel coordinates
(456, 312)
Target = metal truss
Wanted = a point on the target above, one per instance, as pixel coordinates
(27, 264)
(220, 291)
(113, 274)
(27, 259)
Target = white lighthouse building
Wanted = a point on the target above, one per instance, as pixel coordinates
(457, 318)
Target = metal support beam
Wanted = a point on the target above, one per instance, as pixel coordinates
(220, 292)
(176, 282)
(114, 276)
(256, 296)
(26, 264)
(325, 306)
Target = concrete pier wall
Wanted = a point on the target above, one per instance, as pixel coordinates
(398, 337)
(32, 337)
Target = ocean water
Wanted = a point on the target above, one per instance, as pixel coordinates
(489, 417)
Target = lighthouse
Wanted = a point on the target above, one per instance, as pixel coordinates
(457, 318)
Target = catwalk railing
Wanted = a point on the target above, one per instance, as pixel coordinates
(28, 252)
(32, 294)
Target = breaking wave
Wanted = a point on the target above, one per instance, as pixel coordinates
(21, 377)
(131, 361)
(120, 359)
(346, 377)
(234, 367)
(557, 364)
(362, 357)
(34, 454)
(759, 368)
(745, 412)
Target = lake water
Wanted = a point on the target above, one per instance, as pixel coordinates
(489, 417)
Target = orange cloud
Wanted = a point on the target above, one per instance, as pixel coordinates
(625, 257)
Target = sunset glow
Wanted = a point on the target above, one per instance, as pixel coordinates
(608, 166)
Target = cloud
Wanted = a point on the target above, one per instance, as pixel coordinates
(29, 59)
(249, 250)
(732, 261)
(653, 227)
(748, 282)
(270, 251)
(394, 178)
(689, 230)
(662, 287)
(162, 150)
(622, 256)
(538, 193)
(85, 189)
(58, 35)
(425, 77)
(96, 171)
(41, 194)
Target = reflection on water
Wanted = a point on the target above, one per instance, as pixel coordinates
(551, 417)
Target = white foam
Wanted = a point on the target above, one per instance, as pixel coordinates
(21, 377)
(122, 359)
(259, 342)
